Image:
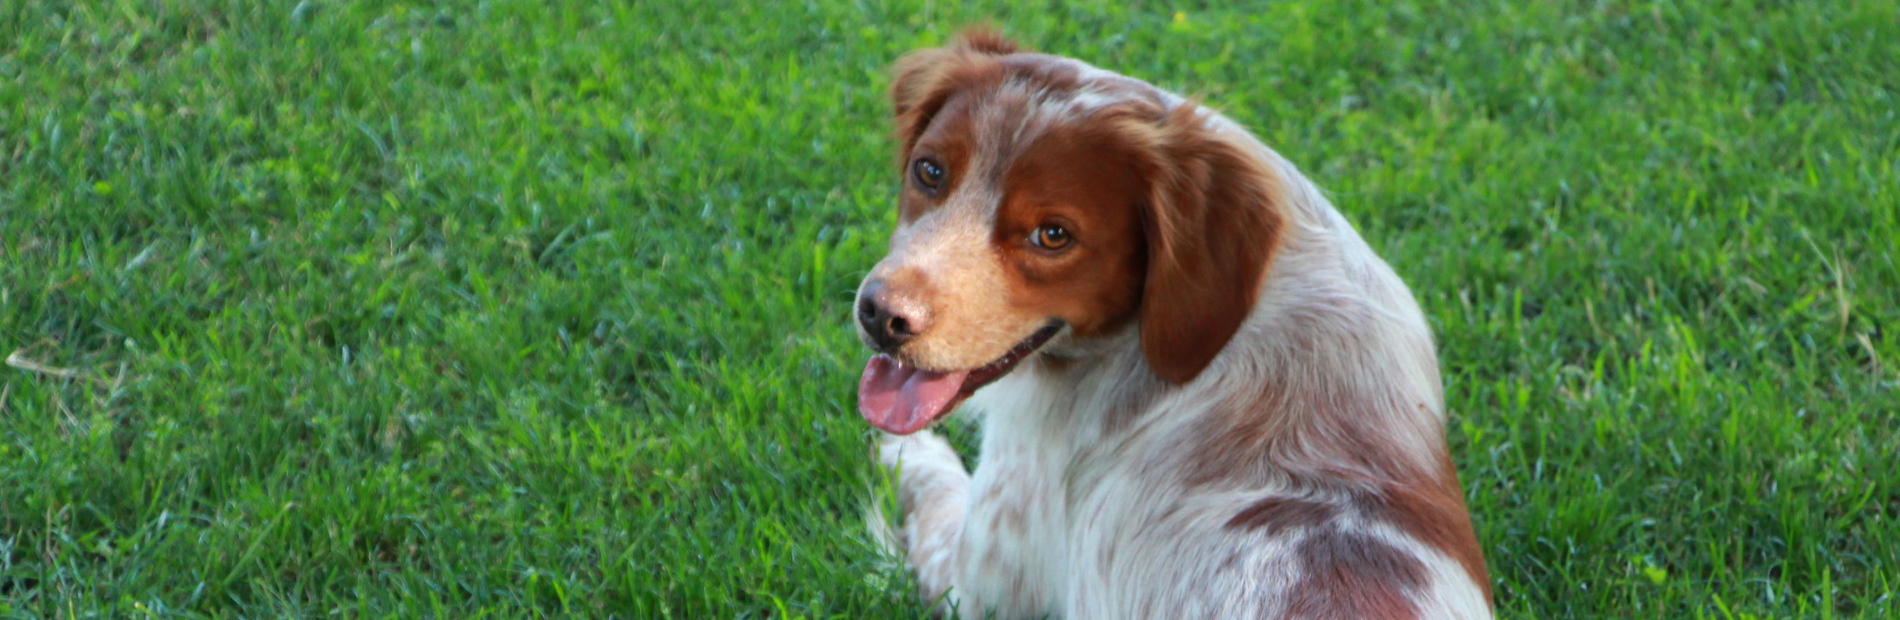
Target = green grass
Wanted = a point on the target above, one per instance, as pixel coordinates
(510, 308)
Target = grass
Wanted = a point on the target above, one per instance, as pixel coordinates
(512, 309)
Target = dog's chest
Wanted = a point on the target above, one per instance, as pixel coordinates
(1036, 516)
(1016, 530)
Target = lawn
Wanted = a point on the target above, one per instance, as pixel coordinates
(510, 309)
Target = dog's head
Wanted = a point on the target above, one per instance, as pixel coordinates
(1042, 199)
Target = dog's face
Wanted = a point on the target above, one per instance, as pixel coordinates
(1046, 199)
(1005, 230)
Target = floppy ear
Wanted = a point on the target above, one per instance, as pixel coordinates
(925, 79)
(1211, 223)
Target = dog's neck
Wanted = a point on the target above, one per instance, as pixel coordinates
(1080, 387)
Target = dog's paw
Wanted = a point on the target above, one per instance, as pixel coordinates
(920, 449)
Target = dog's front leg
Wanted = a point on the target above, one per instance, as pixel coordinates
(934, 489)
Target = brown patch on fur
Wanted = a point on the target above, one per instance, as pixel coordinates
(1433, 512)
(1282, 513)
(1079, 177)
(1212, 221)
(1353, 575)
(947, 139)
(1427, 505)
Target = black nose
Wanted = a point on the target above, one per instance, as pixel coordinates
(888, 327)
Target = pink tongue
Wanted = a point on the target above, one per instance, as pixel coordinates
(902, 399)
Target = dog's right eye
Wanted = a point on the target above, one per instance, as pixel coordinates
(928, 173)
(1051, 237)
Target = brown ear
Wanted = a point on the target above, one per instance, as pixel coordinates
(925, 79)
(1211, 223)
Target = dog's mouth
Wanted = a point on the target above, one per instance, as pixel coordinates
(903, 399)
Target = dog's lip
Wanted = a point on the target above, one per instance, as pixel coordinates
(895, 396)
(989, 373)
(996, 368)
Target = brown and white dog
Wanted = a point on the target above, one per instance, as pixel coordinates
(1202, 394)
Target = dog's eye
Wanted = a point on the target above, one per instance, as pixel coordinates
(1051, 237)
(928, 173)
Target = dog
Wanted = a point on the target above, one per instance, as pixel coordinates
(1201, 394)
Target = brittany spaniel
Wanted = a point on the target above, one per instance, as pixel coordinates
(1201, 394)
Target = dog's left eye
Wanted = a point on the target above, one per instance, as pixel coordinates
(929, 173)
(1051, 237)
